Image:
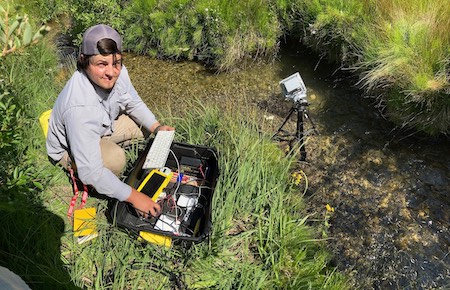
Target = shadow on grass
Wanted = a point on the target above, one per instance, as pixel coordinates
(30, 245)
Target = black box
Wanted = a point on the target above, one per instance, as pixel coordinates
(186, 208)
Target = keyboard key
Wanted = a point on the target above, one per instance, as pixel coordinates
(159, 150)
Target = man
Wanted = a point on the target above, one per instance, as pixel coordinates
(98, 109)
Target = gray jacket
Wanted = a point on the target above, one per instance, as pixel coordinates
(82, 114)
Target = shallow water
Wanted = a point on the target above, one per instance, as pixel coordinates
(390, 192)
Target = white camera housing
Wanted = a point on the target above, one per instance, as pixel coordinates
(293, 87)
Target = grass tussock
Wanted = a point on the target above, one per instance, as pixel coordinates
(405, 56)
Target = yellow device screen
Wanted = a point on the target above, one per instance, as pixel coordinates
(154, 183)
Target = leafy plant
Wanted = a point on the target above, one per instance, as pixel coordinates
(16, 33)
(86, 13)
(18, 175)
(220, 33)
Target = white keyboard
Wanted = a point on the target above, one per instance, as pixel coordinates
(159, 151)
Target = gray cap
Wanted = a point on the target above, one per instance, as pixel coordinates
(96, 33)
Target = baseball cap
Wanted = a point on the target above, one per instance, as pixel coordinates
(95, 33)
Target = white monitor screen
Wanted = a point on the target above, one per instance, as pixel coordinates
(293, 84)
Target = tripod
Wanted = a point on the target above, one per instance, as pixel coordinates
(299, 107)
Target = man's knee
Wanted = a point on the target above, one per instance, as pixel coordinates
(113, 156)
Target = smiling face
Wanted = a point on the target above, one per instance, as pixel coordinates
(104, 70)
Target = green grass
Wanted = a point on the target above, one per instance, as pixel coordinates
(257, 240)
(407, 51)
(397, 48)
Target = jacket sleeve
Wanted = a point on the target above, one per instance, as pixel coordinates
(134, 106)
(83, 129)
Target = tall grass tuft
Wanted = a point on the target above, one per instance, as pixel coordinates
(407, 52)
(331, 29)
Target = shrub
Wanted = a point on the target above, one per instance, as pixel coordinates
(219, 33)
(86, 13)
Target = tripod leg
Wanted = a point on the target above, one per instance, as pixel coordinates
(285, 121)
(300, 135)
(312, 123)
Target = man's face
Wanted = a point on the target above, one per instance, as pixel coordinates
(104, 70)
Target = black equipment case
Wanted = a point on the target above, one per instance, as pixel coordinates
(185, 198)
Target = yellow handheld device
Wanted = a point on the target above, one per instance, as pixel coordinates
(154, 183)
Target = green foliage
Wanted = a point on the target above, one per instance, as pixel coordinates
(16, 32)
(294, 16)
(332, 29)
(11, 128)
(43, 11)
(47, 10)
(19, 94)
(86, 13)
(19, 176)
(10, 115)
(217, 32)
(41, 63)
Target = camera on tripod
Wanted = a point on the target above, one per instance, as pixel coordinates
(293, 88)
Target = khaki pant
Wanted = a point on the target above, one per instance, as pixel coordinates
(125, 130)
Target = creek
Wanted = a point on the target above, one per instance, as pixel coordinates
(389, 191)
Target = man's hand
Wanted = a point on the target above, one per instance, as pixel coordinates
(166, 128)
(143, 204)
(158, 127)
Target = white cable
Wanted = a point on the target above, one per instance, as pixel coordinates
(178, 186)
